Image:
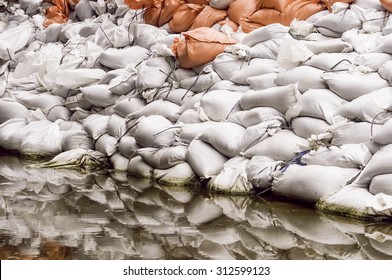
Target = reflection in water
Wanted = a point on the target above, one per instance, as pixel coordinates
(63, 214)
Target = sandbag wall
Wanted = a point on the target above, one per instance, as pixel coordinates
(301, 110)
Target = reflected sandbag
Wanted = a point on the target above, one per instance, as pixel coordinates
(221, 231)
(181, 174)
(233, 207)
(367, 249)
(151, 215)
(336, 251)
(214, 251)
(202, 210)
(179, 193)
(139, 184)
(156, 197)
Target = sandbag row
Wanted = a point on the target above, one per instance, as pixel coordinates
(285, 109)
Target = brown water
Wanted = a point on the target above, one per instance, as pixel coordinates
(60, 214)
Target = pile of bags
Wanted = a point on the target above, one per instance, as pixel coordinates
(301, 110)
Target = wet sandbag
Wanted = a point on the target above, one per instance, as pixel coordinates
(76, 139)
(10, 109)
(178, 175)
(225, 137)
(385, 71)
(119, 162)
(155, 131)
(373, 107)
(137, 167)
(307, 78)
(280, 98)
(350, 86)
(317, 103)
(305, 127)
(204, 159)
(255, 116)
(260, 171)
(163, 108)
(10, 139)
(128, 146)
(233, 178)
(219, 104)
(96, 125)
(163, 158)
(311, 182)
(125, 106)
(345, 156)
(283, 145)
(202, 210)
(99, 95)
(381, 184)
(200, 46)
(119, 58)
(106, 144)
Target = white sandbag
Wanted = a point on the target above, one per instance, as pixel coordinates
(307, 126)
(327, 61)
(137, 167)
(378, 164)
(178, 95)
(225, 137)
(345, 156)
(118, 58)
(10, 139)
(292, 52)
(227, 64)
(262, 81)
(255, 116)
(260, 171)
(271, 31)
(317, 103)
(313, 18)
(353, 133)
(280, 98)
(191, 103)
(229, 85)
(350, 86)
(363, 42)
(41, 138)
(202, 210)
(384, 134)
(387, 29)
(219, 104)
(163, 108)
(153, 73)
(74, 78)
(189, 116)
(43, 101)
(79, 115)
(372, 60)
(126, 106)
(180, 174)
(257, 133)
(14, 39)
(257, 66)
(202, 82)
(204, 159)
(77, 102)
(339, 21)
(369, 4)
(96, 125)
(328, 46)
(116, 126)
(111, 35)
(182, 73)
(10, 109)
(301, 29)
(155, 131)
(123, 84)
(384, 45)
(59, 113)
(119, 162)
(268, 49)
(106, 144)
(381, 184)
(356, 202)
(148, 35)
(312, 182)
(373, 107)
(233, 178)
(163, 158)
(386, 72)
(307, 77)
(99, 95)
(76, 139)
(128, 146)
(191, 131)
(283, 145)
(84, 10)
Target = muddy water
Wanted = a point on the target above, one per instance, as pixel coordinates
(60, 214)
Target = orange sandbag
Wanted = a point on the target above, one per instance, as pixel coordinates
(279, 5)
(140, 4)
(304, 9)
(328, 3)
(248, 26)
(387, 4)
(183, 20)
(169, 7)
(267, 16)
(200, 46)
(59, 12)
(151, 15)
(208, 17)
(239, 10)
(230, 23)
(200, 2)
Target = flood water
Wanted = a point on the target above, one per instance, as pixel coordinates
(63, 214)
